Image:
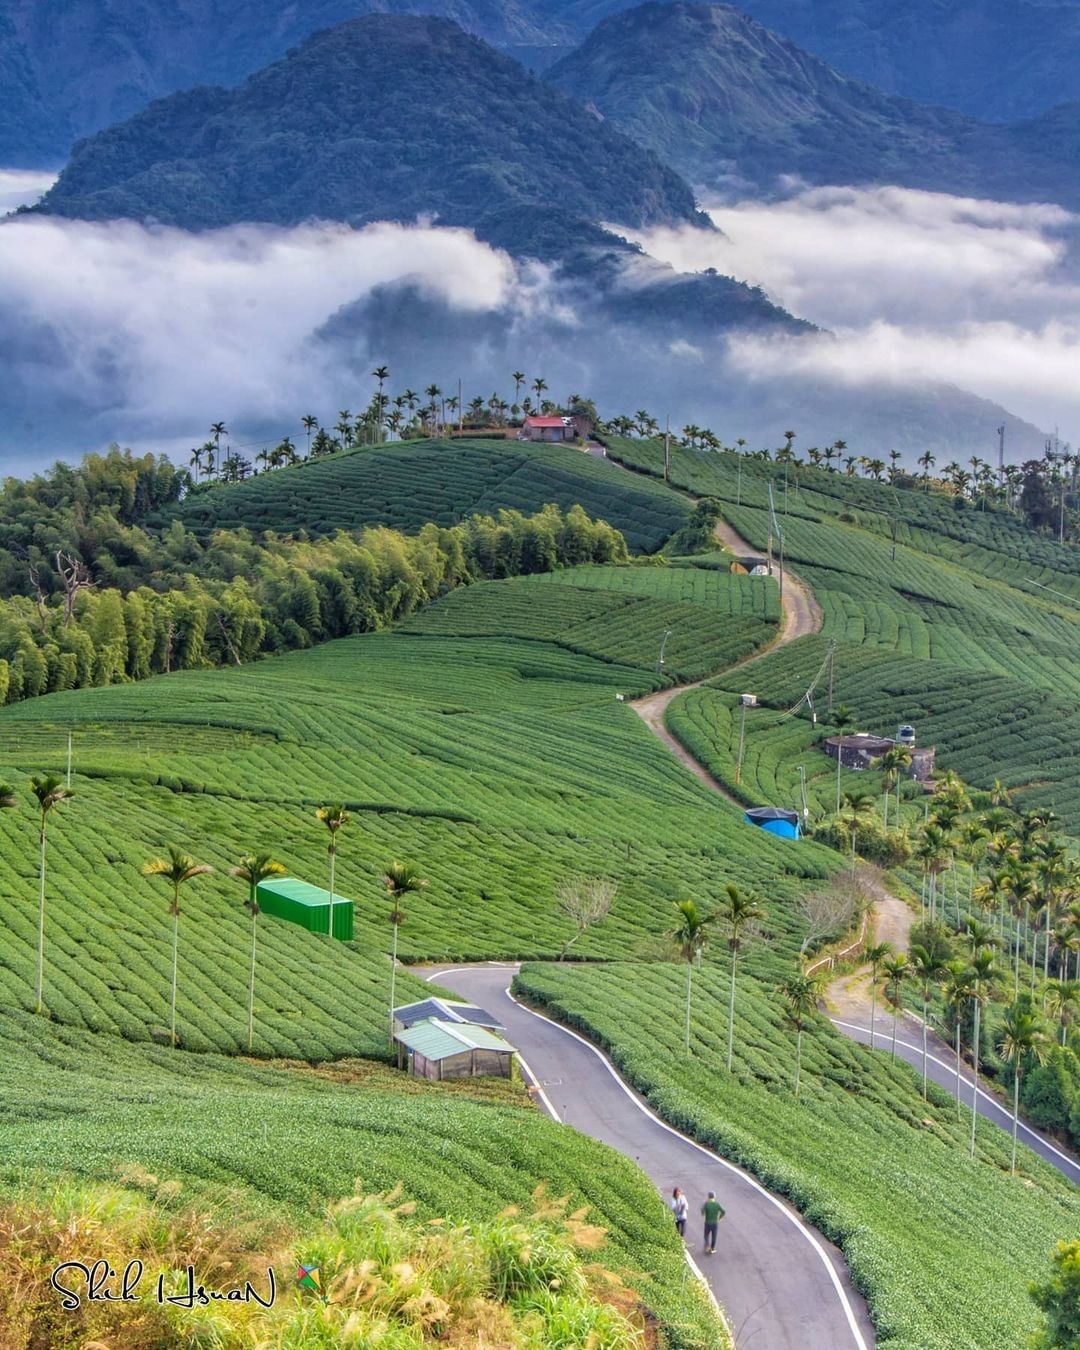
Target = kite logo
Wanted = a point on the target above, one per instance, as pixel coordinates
(307, 1277)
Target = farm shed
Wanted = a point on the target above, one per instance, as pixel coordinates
(859, 750)
(445, 1011)
(442, 1050)
(774, 820)
(308, 906)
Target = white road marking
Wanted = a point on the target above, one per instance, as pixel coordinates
(987, 1096)
(789, 1214)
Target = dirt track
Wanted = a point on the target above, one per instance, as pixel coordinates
(799, 617)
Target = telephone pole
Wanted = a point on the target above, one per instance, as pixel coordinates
(667, 446)
(742, 742)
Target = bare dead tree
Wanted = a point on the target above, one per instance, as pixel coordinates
(585, 901)
(40, 595)
(227, 639)
(832, 910)
(74, 577)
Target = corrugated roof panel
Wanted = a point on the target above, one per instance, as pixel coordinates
(440, 1040)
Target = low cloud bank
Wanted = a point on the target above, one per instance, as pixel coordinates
(144, 335)
(914, 286)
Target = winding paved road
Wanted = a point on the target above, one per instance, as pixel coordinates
(940, 1068)
(782, 1285)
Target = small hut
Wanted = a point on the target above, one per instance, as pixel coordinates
(441, 1050)
(774, 820)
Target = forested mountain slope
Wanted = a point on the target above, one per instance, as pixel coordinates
(724, 99)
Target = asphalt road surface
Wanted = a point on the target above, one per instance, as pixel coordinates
(941, 1069)
(782, 1285)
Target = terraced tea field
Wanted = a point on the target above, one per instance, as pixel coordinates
(943, 630)
(928, 1252)
(406, 486)
(619, 614)
(246, 1142)
(497, 766)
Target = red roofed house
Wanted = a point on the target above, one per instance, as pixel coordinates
(548, 429)
(555, 428)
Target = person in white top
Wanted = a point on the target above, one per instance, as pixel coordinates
(680, 1209)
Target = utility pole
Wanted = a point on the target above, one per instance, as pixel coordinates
(663, 644)
(738, 485)
(1001, 455)
(460, 409)
(667, 446)
(69, 760)
(832, 661)
(742, 742)
(802, 788)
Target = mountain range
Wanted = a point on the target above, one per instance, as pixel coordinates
(400, 118)
(71, 67)
(729, 102)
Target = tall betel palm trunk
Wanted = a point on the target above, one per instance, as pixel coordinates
(334, 817)
(49, 791)
(400, 879)
(253, 868)
(691, 936)
(177, 869)
(740, 914)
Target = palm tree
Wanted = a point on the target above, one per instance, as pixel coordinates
(929, 965)
(843, 717)
(934, 852)
(857, 804)
(400, 879)
(800, 995)
(892, 764)
(434, 393)
(196, 460)
(1060, 1000)
(691, 937)
(875, 955)
(983, 980)
(1021, 1038)
(519, 379)
(253, 868)
(49, 791)
(334, 817)
(897, 969)
(309, 423)
(382, 374)
(739, 912)
(956, 987)
(177, 869)
(926, 462)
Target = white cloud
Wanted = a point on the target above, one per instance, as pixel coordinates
(914, 285)
(22, 187)
(170, 326)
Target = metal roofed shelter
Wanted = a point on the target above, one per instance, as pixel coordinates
(445, 1011)
(305, 905)
(440, 1050)
(774, 820)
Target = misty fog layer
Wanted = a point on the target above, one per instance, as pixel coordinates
(144, 335)
(912, 285)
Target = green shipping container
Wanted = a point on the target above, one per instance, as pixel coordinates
(309, 906)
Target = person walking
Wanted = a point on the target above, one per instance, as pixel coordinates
(713, 1211)
(680, 1208)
